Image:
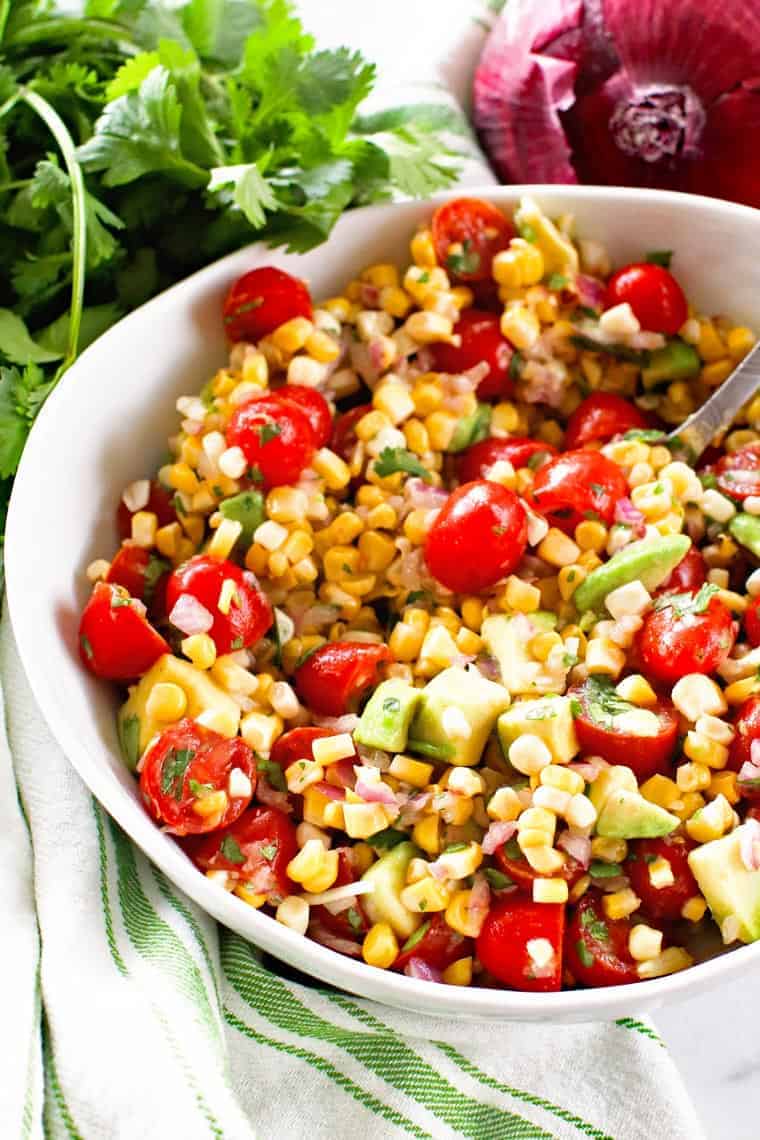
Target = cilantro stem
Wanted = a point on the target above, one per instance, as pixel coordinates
(60, 132)
(64, 28)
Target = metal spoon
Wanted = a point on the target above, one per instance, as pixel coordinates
(716, 414)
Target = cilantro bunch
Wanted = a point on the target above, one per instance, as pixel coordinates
(139, 142)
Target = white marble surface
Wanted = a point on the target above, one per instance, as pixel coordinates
(714, 1039)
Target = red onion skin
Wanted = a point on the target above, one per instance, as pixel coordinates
(416, 968)
(661, 93)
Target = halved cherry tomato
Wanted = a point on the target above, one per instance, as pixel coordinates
(751, 619)
(344, 438)
(738, 473)
(596, 947)
(476, 230)
(653, 293)
(331, 681)
(254, 851)
(296, 744)
(517, 868)
(662, 903)
(598, 710)
(576, 486)
(685, 633)
(436, 944)
(351, 922)
(138, 570)
(479, 536)
(689, 574)
(747, 730)
(601, 416)
(183, 767)
(275, 436)
(115, 640)
(313, 405)
(520, 452)
(160, 503)
(261, 301)
(481, 343)
(502, 945)
(250, 614)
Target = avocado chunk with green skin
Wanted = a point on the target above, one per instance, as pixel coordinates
(471, 429)
(650, 561)
(506, 637)
(731, 889)
(247, 508)
(388, 876)
(387, 715)
(549, 718)
(676, 360)
(746, 530)
(475, 703)
(628, 815)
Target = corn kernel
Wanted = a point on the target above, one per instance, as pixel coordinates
(529, 754)
(301, 774)
(380, 946)
(409, 771)
(363, 820)
(332, 469)
(550, 891)
(248, 896)
(211, 805)
(330, 749)
(704, 751)
(200, 649)
(459, 973)
(520, 326)
(694, 909)
(557, 549)
(505, 805)
(292, 335)
(644, 942)
(166, 702)
(637, 690)
(661, 790)
(426, 834)
(620, 904)
(608, 850)
(425, 896)
(693, 777)
(724, 784)
(144, 527)
(557, 776)
(167, 539)
(423, 250)
(521, 596)
(393, 398)
(712, 821)
(544, 859)
(668, 962)
(739, 341)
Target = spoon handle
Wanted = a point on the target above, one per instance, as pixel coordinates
(717, 413)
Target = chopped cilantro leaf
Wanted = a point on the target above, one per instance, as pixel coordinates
(273, 773)
(129, 739)
(646, 435)
(415, 938)
(527, 233)
(199, 790)
(355, 919)
(391, 705)
(497, 879)
(229, 848)
(86, 644)
(661, 257)
(515, 366)
(465, 262)
(584, 954)
(418, 596)
(386, 839)
(173, 771)
(267, 432)
(556, 281)
(596, 927)
(599, 870)
(453, 848)
(686, 604)
(268, 851)
(394, 459)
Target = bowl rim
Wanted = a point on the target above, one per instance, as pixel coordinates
(319, 962)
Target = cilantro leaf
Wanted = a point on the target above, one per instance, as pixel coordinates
(394, 459)
(661, 257)
(173, 771)
(230, 849)
(686, 603)
(17, 345)
(250, 191)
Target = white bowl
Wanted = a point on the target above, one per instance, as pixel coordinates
(107, 424)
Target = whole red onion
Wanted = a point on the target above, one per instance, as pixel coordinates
(661, 93)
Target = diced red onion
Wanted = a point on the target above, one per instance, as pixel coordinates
(315, 618)
(421, 495)
(480, 895)
(342, 772)
(438, 870)
(331, 791)
(261, 880)
(272, 797)
(369, 296)
(326, 938)
(754, 752)
(749, 772)
(414, 808)
(577, 846)
(417, 968)
(589, 769)
(375, 757)
(488, 666)
(189, 616)
(618, 883)
(378, 793)
(345, 723)
(591, 291)
(498, 833)
(629, 515)
(749, 844)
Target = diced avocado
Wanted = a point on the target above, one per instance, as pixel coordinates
(506, 638)
(475, 704)
(627, 815)
(549, 718)
(677, 360)
(247, 508)
(387, 716)
(746, 530)
(609, 780)
(388, 875)
(559, 253)
(136, 728)
(731, 890)
(471, 429)
(650, 561)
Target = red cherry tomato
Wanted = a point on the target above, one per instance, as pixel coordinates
(653, 293)
(689, 574)
(296, 745)
(596, 725)
(313, 405)
(331, 680)
(479, 536)
(250, 614)
(352, 922)
(275, 436)
(476, 460)
(752, 622)
(138, 570)
(576, 486)
(662, 903)
(477, 230)
(261, 301)
(738, 473)
(502, 945)
(601, 416)
(160, 503)
(187, 763)
(344, 438)
(685, 635)
(481, 342)
(596, 947)
(747, 730)
(255, 852)
(436, 944)
(115, 640)
(517, 868)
